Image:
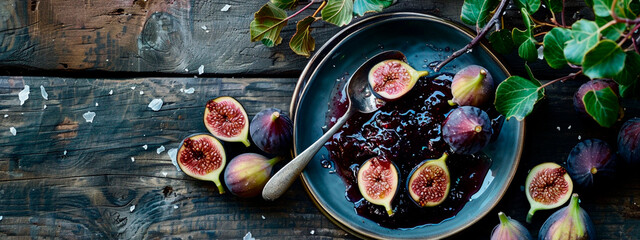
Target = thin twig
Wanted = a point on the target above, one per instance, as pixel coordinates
(324, 3)
(617, 19)
(474, 41)
(565, 78)
(562, 15)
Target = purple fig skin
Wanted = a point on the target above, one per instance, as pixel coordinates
(590, 158)
(467, 130)
(472, 86)
(247, 173)
(593, 85)
(570, 222)
(509, 229)
(272, 131)
(629, 141)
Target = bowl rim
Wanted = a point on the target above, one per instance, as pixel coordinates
(328, 48)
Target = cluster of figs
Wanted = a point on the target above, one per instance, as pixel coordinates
(467, 130)
(202, 156)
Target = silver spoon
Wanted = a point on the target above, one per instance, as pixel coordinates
(361, 98)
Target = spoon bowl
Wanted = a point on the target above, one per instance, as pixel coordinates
(360, 98)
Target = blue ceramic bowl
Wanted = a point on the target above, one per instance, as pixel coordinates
(420, 37)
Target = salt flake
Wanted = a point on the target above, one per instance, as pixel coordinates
(181, 89)
(64, 153)
(44, 106)
(175, 206)
(13, 131)
(190, 91)
(558, 127)
(569, 127)
(110, 92)
(133, 159)
(155, 104)
(204, 27)
(541, 52)
(579, 137)
(44, 93)
(141, 92)
(88, 116)
(164, 174)
(145, 146)
(248, 235)
(225, 8)
(0, 218)
(24, 94)
(97, 104)
(201, 70)
(133, 207)
(263, 218)
(313, 232)
(160, 149)
(6, 115)
(133, 88)
(173, 154)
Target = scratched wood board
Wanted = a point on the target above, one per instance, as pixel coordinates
(171, 36)
(97, 191)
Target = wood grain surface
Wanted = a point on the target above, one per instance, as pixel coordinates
(96, 191)
(170, 36)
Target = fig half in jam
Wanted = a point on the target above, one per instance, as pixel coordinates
(378, 182)
(429, 182)
(391, 79)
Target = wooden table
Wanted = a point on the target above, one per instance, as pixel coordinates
(64, 177)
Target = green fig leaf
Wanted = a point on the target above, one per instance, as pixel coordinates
(524, 39)
(554, 5)
(476, 12)
(553, 50)
(338, 12)
(602, 7)
(612, 32)
(302, 43)
(532, 6)
(360, 7)
(605, 60)
(285, 4)
(631, 72)
(501, 41)
(630, 91)
(516, 96)
(585, 35)
(603, 106)
(267, 24)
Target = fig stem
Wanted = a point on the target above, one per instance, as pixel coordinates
(530, 214)
(451, 102)
(504, 221)
(274, 116)
(388, 208)
(422, 73)
(220, 188)
(246, 142)
(574, 212)
(275, 160)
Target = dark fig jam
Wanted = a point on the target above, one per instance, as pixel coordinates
(406, 132)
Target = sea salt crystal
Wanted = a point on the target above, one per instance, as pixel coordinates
(558, 127)
(64, 153)
(541, 52)
(248, 235)
(172, 154)
(181, 89)
(0, 218)
(160, 149)
(133, 207)
(24, 94)
(110, 92)
(97, 104)
(569, 127)
(44, 93)
(203, 27)
(164, 174)
(190, 91)
(186, 69)
(6, 115)
(44, 106)
(133, 159)
(263, 218)
(133, 88)
(141, 92)
(579, 137)
(313, 232)
(88, 116)
(201, 70)
(155, 104)
(225, 8)
(175, 206)
(145, 146)
(13, 131)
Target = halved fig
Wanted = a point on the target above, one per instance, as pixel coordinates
(378, 182)
(201, 156)
(548, 186)
(429, 182)
(467, 130)
(226, 119)
(472, 86)
(391, 79)
(272, 131)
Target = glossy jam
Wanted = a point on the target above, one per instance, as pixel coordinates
(406, 132)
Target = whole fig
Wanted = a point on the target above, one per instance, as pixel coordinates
(247, 174)
(467, 130)
(472, 86)
(272, 131)
(629, 141)
(571, 222)
(593, 85)
(588, 159)
(509, 229)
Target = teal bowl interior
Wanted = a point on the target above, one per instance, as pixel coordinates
(420, 37)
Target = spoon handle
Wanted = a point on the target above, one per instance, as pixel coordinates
(283, 179)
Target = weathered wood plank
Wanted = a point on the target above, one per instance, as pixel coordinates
(88, 193)
(160, 35)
